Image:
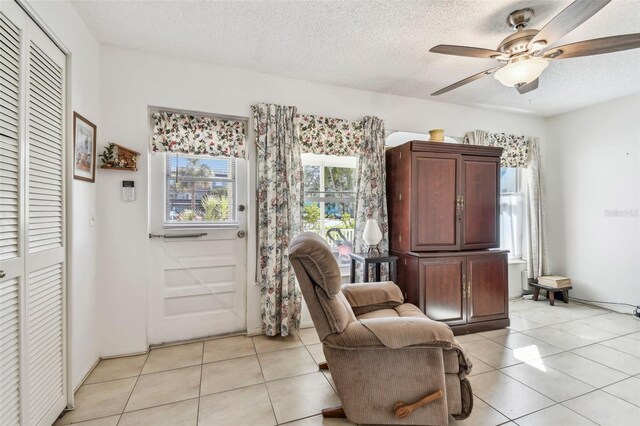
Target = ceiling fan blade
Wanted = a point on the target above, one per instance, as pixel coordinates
(466, 81)
(474, 52)
(596, 46)
(569, 19)
(526, 88)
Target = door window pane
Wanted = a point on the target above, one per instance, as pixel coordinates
(200, 189)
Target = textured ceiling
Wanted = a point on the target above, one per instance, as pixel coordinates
(378, 46)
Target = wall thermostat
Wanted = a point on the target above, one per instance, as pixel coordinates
(128, 190)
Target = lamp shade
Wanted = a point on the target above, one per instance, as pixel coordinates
(372, 234)
(522, 71)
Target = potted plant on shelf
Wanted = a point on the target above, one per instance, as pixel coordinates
(107, 155)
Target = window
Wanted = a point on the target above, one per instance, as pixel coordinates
(329, 201)
(199, 189)
(512, 210)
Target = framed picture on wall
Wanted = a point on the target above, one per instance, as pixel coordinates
(84, 149)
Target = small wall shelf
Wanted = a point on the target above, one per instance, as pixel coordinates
(129, 156)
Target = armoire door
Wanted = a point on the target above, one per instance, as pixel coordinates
(487, 284)
(32, 247)
(441, 294)
(480, 208)
(435, 186)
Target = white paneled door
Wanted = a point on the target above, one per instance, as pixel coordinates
(198, 284)
(32, 246)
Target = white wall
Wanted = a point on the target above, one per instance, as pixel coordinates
(83, 72)
(132, 80)
(592, 169)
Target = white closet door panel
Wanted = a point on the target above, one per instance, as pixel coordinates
(44, 341)
(45, 151)
(9, 142)
(9, 352)
(32, 253)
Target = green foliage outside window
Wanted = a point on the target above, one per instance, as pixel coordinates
(215, 208)
(311, 216)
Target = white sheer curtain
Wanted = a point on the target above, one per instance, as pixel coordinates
(513, 218)
(537, 263)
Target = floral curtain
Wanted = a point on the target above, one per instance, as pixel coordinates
(330, 136)
(515, 147)
(191, 134)
(371, 197)
(280, 200)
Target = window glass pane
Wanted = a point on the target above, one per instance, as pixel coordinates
(311, 178)
(509, 180)
(339, 179)
(200, 189)
(330, 202)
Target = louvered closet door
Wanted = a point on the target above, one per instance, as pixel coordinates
(32, 223)
(11, 259)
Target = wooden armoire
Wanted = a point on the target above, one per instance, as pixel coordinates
(444, 226)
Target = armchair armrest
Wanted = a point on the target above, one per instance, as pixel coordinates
(397, 333)
(369, 297)
(392, 333)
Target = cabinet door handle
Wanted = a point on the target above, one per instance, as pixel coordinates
(469, 290)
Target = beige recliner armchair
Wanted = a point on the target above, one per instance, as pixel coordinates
(390, 363)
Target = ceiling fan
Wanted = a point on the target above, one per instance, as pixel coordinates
(525, 54)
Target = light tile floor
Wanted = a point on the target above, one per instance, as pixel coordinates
(570, 364)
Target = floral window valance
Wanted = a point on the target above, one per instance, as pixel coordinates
(515, 147)
(191, 134)
(329, 136)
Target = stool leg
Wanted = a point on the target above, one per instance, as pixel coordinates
(536, 293)
(565, 296)
(552, 297)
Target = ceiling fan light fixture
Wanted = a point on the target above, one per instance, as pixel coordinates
(521, 71)
(538, 45)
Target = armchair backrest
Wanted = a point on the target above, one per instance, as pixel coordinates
(319, 278)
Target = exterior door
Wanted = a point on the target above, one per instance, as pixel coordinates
(441, 295)
(198, 284)
(487, 287)
(435, 187)
(32, 219)
(480, 178)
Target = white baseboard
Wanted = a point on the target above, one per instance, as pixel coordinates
(255, 331)
(306, 324)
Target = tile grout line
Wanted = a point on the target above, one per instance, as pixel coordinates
(133, 389)
(598, 362)
(264, 381)
(200, 384)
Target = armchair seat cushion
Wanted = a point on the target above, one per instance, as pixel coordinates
(380, 313)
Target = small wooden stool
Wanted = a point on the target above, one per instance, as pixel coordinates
(551, 291)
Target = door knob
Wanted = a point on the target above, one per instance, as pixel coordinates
(241, 207)
(242, 234)
(3, 274)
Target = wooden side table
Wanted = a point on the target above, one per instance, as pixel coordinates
(366, 259)
(551, 292)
